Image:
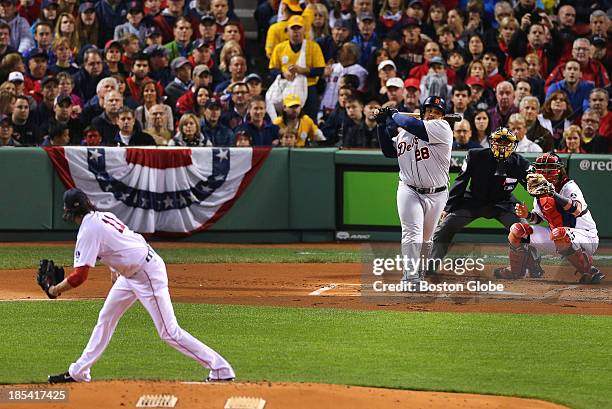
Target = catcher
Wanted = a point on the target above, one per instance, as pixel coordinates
(571, 230)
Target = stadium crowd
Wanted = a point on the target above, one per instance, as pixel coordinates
(181, 73)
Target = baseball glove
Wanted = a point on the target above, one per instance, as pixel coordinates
(537, 185)
(383, 113)
(49, 274)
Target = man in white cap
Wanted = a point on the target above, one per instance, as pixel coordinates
(395, 93)
(378, 89)
(17, 78)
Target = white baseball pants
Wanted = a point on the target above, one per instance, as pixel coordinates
(419, 215)
(150, 287)
(586, 240)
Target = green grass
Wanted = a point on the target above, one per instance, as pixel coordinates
(565, 358)
(27, 257)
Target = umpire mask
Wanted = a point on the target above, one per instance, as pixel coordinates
(503, 142)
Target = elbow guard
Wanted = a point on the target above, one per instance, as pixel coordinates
(78, 277)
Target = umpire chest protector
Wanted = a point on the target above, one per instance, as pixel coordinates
(486, 185)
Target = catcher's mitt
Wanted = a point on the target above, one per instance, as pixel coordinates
(537, 185)
(383, 113)
(49, 274)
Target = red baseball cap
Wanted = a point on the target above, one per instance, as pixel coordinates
(412, 83)
(475, 81)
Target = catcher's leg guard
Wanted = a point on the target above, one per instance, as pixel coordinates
(534, 269)
(523, 258)
(518, 256)
(583, 262)
(519, 232)
(562, 241)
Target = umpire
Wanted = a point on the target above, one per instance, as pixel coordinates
(483, 188)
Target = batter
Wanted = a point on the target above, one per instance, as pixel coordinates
(140, 274)
(423, 151)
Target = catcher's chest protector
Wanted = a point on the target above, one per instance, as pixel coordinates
(549, 209)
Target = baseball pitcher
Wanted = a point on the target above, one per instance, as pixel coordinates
(423, 150)
(140, 275)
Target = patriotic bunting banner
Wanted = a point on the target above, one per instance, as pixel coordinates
(160, 190)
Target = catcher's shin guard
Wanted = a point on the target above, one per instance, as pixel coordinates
(534, 269)
(518, 256)
(524, 260)
(583, 262)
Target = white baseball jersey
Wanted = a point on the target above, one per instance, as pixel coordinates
(425, 164)
(143, 278)
(103, 236)
(570, 191)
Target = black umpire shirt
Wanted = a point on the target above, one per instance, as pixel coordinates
(478, 186)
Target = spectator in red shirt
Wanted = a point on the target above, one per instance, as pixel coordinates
(200, 76)
(592, 70)
(567, 22)
(166, 20)
(598, 102)
(220, 10)
(140, 73)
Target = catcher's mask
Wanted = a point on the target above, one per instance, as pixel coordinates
(503, 142)
(76, 203)
(551, 166)
(434, 102)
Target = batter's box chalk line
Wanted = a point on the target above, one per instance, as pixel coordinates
(156, 401)
(323, 289)
(242, 402)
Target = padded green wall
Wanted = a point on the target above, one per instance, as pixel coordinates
(26, 188)
(293, 196)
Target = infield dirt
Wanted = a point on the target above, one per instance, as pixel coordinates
(291, 285)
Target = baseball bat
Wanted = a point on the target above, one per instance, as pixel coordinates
(448, 117)
(412, 114)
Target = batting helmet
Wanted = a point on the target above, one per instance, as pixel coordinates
(503, 142)
(435, 102)
(551, 166)
(76, 203)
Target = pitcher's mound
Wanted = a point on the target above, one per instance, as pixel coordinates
(125, 394)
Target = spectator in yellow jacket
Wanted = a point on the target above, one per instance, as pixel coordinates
(277, 33)
(285, 61)
(293, 118)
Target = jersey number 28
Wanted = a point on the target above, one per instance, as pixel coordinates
(421, 154)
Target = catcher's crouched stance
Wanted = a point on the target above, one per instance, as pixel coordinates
(571, 230)
(139, 274)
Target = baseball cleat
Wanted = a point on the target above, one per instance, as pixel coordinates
(504, 273)
(595, 277)
(584, 279)
(218, 380)
(535, 271)
(61, 378)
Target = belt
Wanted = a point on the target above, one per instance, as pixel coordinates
(427, 190)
